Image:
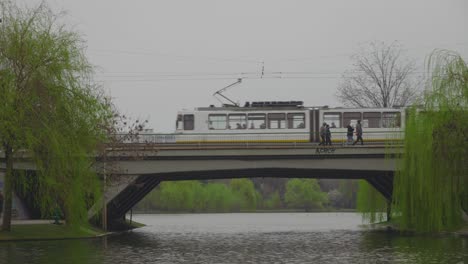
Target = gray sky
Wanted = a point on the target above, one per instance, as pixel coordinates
(157, 57)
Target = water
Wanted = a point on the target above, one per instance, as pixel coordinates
(245, 238)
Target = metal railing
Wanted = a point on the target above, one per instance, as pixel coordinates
(337, 137)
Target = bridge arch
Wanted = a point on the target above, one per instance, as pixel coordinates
(143, 184)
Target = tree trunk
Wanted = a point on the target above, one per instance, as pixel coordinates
(8, 188)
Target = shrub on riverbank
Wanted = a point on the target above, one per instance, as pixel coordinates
(233, 196)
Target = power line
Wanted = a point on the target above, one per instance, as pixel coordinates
(276, 74)
(153, 53)
(241, 60)
(224, 78)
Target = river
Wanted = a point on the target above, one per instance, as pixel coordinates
(245, 238)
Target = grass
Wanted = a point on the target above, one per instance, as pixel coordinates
(48, 231)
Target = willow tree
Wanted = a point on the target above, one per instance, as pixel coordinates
(50, 109)
(371, 203)
(381, 77)
(431, 187)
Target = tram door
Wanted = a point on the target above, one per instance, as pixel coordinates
(314, 125)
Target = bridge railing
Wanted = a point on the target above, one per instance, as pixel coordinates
(337, 137)
(371, 137)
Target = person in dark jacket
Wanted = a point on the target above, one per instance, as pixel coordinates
(328, 136)
(358, 133)
(323, 132)
(350, 134)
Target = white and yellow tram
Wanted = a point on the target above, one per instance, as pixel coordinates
(284, 122)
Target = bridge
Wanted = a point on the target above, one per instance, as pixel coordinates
(133, 170)
(136, 172)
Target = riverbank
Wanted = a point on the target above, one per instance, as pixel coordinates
(393, 227)
(48, 232)
(45, 230)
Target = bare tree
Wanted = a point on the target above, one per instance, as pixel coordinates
(380, 78)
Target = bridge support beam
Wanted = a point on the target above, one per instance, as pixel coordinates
(126, 199)
(383, 184)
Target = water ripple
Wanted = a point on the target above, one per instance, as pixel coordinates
(245, 238)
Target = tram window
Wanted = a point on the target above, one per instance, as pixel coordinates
(276, 120)
(257, 121)
(372, 119)
(332, 118)
(188, 122)
(351, 118)
(179, 123)
(237, 121)
(217, 121)
(296, 120)
(391, 119)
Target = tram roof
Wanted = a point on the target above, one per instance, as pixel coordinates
(291, 108)
(234, 108)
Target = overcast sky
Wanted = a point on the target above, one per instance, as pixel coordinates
(158, 57)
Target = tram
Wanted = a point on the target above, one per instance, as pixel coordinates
(284, 121)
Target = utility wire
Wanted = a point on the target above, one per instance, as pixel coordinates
(153, 53)
(224, 78)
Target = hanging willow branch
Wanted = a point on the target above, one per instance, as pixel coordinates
(431, 188)
(51, 108)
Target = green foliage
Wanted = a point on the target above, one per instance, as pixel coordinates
(348, 190)
(273, 202)
(305, 194)
(193, 196)
(431, 186)
(245, 193)
(51, 108)
(237, 195)
(217, 197)
(371, 203)
(181, 195)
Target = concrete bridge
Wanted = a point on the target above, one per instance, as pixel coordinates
(136, 172)
(132, 171)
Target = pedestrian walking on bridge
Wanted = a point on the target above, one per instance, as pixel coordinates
(328, 136)
(349, 134)
(358, 133)
(323, 133)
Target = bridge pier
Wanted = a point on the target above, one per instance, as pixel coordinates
(129, 197)
(383, 184)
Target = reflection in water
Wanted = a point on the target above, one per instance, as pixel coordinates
(245, 238)
(417, 249)
(54, 251)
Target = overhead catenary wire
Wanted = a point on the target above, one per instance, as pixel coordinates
(194, 74)
(225, 78)
(243, 59)
(156, 53)
(149, 77)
